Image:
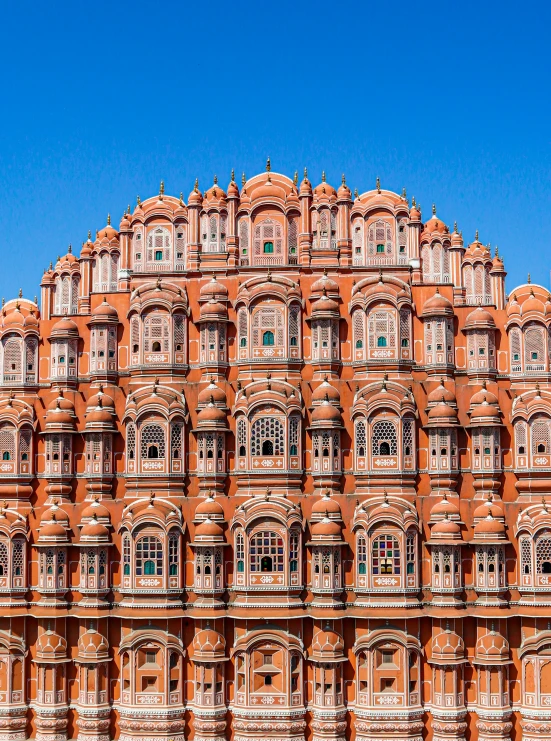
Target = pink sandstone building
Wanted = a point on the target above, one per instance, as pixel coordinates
(275, 465)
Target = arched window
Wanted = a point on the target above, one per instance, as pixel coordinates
(13, 358)
(360, 438)
(382, 329)
(359, 332)
(292, 240)
(267, 552)
(294, 314)
(159, 247)
(156, 333)
(152, 441)
(361, 555)
(384, 439)
(7, 441)
(242, 326)
(244, 241)
(268, 242)
(385, 555)
(534, 347)
(242, 437)
(540, 434)
(268, 338)
(357, 242)
(149, 556)
(379, 242)
(267, 434)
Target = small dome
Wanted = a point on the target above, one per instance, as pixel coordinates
(325, 283)
(483, 395)
(414, 213)
(195, 197)
(213, 290)
(99, 417)
(437, 305)
(211, 416)
(105, 311)
(343, 193)
(209, 508)
(207, 529)
(492, 648)
(489, 526)
(101, 399)
(51, 647)
(326, 412)
(58, 417)
(443, 412)
(93, 647)
(209, 644)
(96, 510)
(489, 413)
(305, 186)
(479, 318)
(488, 508)
(213, 310)
(325, 390)
(94, 531)
(532, 304)
(447, 646)
(441, 394)
(328, 644)
(443, 508)
(52, 531)
(326, 528)
(324, 190)
(446, 528)
(212, 391)
(64, 328)
(325, 305)
(327, 505)
(215, 193)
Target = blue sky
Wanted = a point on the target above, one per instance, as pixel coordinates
(100, 101)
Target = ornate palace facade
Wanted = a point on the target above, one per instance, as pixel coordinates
(275, 465)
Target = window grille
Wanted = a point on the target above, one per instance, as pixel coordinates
(384, 438)
(404, 328)
(179, 331)
(539, 433)
(382, 324)
(149, 556)
(293, 325)
(7, 441)
(526, 556)
(152, 435)
(362, 554)
(156, 330)
(267, 434)
(242, 326)
(293, 435)
(361, 438)
(410, 552)
(359, 329)
(4, 570)
(12, 359)
(17, 557)
(408, 428)
(131, 441)
(385, 554)
(159, 244)
(176, 440)
(241, 436)
(267, 552)
(293, 240)
(173, 556)
(543, 553)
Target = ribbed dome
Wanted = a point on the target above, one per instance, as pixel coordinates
(326, 505)
(212, 391)
(326, 412)
(441, 394)
(209, 508)
(325, 390)
(489, 526)
(209, 644)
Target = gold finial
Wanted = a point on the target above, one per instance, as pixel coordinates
(108, 219)
(128, 210)
(434, 209)
(89, 235)
(70, 249)
(36, 300)
(243, 179)
(215, 180)
(343, 179)
(378, 185)
(51, 265)
(20, 293)
(497, 251)
(323, 177)
(181, 198)
(413, 202)
(404, 194)
(161, 190)
(138, 201)
(455, 227)
(306, 173)
(295, 178)
(529, 279)
(268, 165)
(476, 236)
(355, 193)
(232, 175)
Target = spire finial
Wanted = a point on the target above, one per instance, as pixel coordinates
(70, 249)
(434, 209)
(196, 186)
(378, 185)
(20, 293)
(404, 194)
(215, 181)
(306, 173)
(138, 201)
(355, 193)
(323, 176)
(89, 235)
(413, 201)
(497, 251)
(529, 279)
(243, 179)
(161, 190)
(232, 175)
(455, 227)
(268, 165)
(476, 236)
(295, 178)
(181, 198)
(108, 219)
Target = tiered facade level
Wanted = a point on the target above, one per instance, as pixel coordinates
(275, 466)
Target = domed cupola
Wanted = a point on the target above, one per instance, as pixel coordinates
(208, 546)
(326, 529)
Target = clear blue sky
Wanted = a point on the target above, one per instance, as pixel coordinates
(100, 101)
